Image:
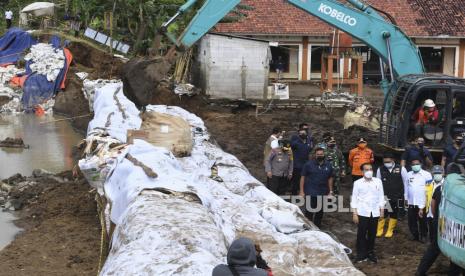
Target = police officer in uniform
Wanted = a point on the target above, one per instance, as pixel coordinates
(394, 178)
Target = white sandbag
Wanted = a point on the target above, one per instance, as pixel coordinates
(114, 113)
(162, 235)
(239, 206)
(164, 130)
(47, 60)
(180, 221)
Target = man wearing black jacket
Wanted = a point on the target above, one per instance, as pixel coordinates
(394, 178)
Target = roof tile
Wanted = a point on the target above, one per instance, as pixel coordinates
(415, 17)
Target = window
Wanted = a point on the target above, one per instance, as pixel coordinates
(432, 59)
(280, 56)
(317, 52)
(371, 68)
(458, 106)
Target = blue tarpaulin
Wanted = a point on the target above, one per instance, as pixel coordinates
(12, 45)
(37, 89)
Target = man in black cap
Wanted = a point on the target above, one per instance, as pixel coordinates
(242, 258)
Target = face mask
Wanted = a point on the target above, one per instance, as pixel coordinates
(362, 146)
(416, 168)
(421, 145)
(320, 158)
(459, 142)
(389, 165)
(303, 136)
(331, 146)
(438, 178)
(368, 174)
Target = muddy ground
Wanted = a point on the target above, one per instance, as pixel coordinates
(61, 231)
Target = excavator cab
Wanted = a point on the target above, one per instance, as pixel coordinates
(400, 123)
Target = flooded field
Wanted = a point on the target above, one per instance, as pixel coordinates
(50, 141)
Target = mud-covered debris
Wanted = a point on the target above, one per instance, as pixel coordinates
(6, 188)
(14, 179)
(41, 173)
(185, 89)
(13, 143)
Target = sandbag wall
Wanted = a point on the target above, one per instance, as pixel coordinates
(172, 217)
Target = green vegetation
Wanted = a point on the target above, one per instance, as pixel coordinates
(134, 22)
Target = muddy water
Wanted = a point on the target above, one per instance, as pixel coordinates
(50, 144)
(7, 229)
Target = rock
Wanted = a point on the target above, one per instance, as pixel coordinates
(16, 204)
(8, 206)
(5, 187)
(14, 179)
(141, 78)
(40, 173)
(25, 184)
(13, 143)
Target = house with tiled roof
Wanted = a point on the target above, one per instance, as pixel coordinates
(437, 27)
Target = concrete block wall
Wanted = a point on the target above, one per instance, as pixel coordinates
(234, 68)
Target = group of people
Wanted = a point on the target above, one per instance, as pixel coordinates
(314, 171)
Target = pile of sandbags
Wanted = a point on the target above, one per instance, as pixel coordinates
(172, 217)
(47, 60)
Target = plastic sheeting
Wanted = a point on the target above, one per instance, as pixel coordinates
(43, 83)
(12, 45)
(182, 221)
(40, 8)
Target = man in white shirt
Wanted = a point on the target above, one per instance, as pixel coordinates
(8, 18)
(415, 194)
(367, 204)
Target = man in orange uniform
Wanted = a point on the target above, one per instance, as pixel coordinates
(358, 156)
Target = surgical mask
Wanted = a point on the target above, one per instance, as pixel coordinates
(368, 174)
(421, 145)
(438, 178)
(389, 165)
(320, 158)
(416, 168)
